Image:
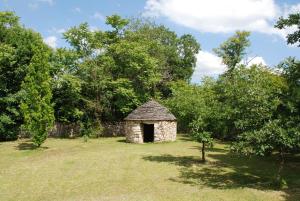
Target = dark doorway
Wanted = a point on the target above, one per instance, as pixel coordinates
(148, 132)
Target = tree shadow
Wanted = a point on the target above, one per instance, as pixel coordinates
(212, 149)
(230, 171)
(184, 161)
(122, 140)
(28, 146)
(185, 138)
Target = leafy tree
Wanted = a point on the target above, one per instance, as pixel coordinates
(232, 50)
(248, 99)
(66, 86)
(124, 97)
(278, 130)
(182, 97)
(67, 99)
(16, 51)
(195, 107)
(199, 134)
(81, 39)
(293, 20)
(289, 111)
(8, 114)
(134, 60)
(118, 24)
(191, 102)
(176, 55)
(271, 138)
(36, 104)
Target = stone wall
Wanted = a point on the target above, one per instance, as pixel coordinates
(133, 131)
(163, 131)
(110, 129)
(65, 130)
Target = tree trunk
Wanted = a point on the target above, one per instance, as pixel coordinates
(203, 152)
(281, 164)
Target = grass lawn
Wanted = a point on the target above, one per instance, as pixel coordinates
(110, 169)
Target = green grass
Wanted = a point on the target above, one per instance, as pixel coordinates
(110, 169)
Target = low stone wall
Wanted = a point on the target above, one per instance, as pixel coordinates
(110, 129)
(65, 130)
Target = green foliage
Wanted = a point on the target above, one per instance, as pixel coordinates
(248, 99)
(67, 98)
(104, 75)
(271, 137)
(274, 128)
(289, 112)
(124, 96)
(91, 129)
(184, 103)
(191, 102)
(36, 103)
(16, 51)
(233, 49)
(176, 55)
(200, 133)
(293, 20)
(125, 66)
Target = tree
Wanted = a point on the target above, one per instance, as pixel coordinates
(67, 99)
(16, 51)
(135, 60)
(271, 138)
(199, 134)
(293, 20)
(36, 104)
(232, 50)
(278, 130)
(202, 98)
(66, 86)
(248, 99)
(289, 110)
(176, 55)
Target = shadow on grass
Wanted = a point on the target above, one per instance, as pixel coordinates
(28, 146)
(122, 140)
(229, 171)
(184, 137)
(184, 161)
(212, 149)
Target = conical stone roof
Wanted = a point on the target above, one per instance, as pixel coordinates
(151, 110)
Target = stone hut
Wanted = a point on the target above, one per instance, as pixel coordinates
(150, 122)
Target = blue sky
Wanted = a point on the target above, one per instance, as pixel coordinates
(210, 22)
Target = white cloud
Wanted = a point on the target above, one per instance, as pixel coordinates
(254, 60)
(50, 2)
(291, 9)
(56, 30)
(207, 64)
(288, 9)
(217, 16)
(51, 41)
(77, 10)
(94, 28)
(99, 16)
(33, 6)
